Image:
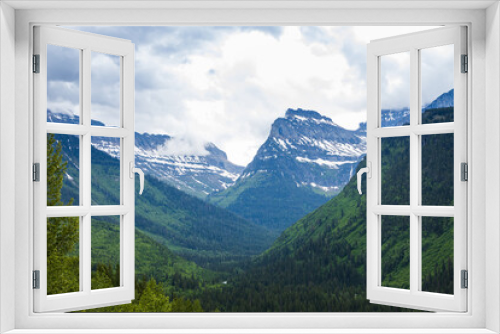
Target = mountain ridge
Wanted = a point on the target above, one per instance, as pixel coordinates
(198, 175)
(305, 160)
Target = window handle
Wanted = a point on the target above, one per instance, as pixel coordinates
(139, 171)
(368, 171)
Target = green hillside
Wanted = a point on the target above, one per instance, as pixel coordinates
(269, 199)
(196, 230)
(152, 261)
(319, 263)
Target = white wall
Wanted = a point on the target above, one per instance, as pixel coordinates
(492, 164)
(7, 160)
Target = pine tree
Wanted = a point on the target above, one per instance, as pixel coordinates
(62, 233)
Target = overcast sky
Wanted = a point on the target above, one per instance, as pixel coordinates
(227, 85)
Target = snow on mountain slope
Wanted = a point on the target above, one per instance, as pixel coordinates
(312, 150)
(198, 175)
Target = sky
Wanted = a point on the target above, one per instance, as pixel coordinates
(226, 85)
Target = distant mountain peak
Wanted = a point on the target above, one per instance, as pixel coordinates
(305, 160)
(307, 115)
(291, 113)
(442, 101)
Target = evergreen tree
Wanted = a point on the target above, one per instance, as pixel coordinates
(62, 233)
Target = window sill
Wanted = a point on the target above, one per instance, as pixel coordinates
(252, 331)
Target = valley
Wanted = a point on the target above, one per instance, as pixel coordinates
(286, 233)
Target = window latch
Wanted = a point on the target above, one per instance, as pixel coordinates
(368, 171)
(139, 171)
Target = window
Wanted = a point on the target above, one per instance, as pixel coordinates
(62, 228)
(297, 148)
(476, 319)
(406, 199)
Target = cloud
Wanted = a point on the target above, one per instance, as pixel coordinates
(437, 72)
(227, 85)
(63, 64)
(184, 146)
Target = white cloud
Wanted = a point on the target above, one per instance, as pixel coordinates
(227, 86)
(184, 146)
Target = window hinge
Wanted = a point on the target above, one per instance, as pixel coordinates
(36, 63)
(465, 279)
(36, 172)
(36, 279)
(465, 64)
(464, 171)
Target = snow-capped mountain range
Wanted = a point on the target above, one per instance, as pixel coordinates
(304, 147)
(306, 160)
(398, 117)
(311, 150)
(198, 175)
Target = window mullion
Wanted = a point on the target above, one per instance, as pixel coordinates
(414, 171)
(86, 182)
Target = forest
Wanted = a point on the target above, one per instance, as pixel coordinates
(190, 258)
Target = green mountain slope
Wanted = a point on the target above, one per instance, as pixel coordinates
(152, 260)
(198, 231)
(269, 199)
(319, 263)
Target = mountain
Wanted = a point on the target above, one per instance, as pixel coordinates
(152, 259)
(198, 175)
(192, 228)
(319, 263)
(444, 100)
(398, 117)
(395, 117)
(305, 160)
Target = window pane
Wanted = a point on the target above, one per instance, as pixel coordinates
(63, 170)
(105, 156)
(63, 257)
(395, 89)
(437, 76)
(106, 86)
(396, 252)
(437, 169)
(105, 252)
(63, 84)
(395, 157)
(437, 254)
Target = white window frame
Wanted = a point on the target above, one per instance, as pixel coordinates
(414, 297)
(484, 102)
(85, 43)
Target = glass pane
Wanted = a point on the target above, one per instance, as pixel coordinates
(396, 252)
(63, 84)
(63, 170)
(105, 74)
(105, 252)
(437, 77)
(437, 169)
(105, 157)
(395, 157)
(395, 89)
(437, 254)
(63, 256)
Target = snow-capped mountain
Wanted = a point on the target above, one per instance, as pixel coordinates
(398, 117)
(306, 160)
(311, 150)
(395, 117)
(198, 175)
